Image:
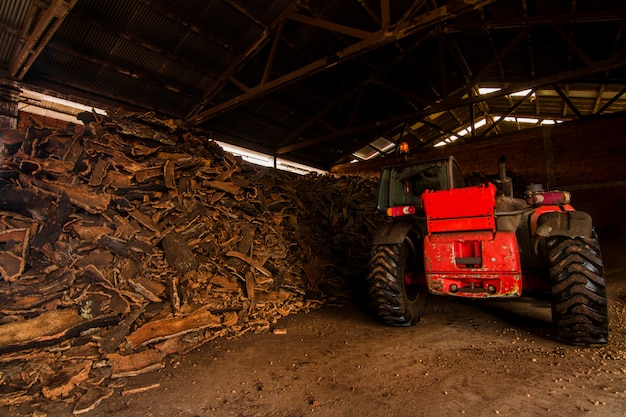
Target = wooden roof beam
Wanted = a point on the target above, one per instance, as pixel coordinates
(404, 93)
(358, 88)
(495, 61)
(510, 112)
(385, 13)
(595, 16)
(573, 46)
(611, 101)
(244, 57)
(567, 101)
(327, 109)
(599, 66)
(374, 41)
(324, 24)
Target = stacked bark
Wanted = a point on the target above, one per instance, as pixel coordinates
(126, 239)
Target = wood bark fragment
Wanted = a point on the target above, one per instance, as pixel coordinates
(223, 282)
(99, 172)
(273, 297)
(178, 254)
(169, 174)
(250, 262)
(13, 259)
(114, 338)
(145, 220)
(174, 295)
(62, 384)
(47, 329)
(26, 201)
(148, 173)
(131, 391)
(119, 247)
(230, 318)
(229, 187)
(142, 289)
(250, 287)
(57, 216)
(82, 197)
(168, 328)
(117, 179)
(92, 398)
(118, 158)
(135, 363)
(89, 233)
(47, 324)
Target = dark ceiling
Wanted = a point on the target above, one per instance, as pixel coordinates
(316, 81)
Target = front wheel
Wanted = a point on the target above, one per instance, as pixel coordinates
(396, 289)
(579, 305)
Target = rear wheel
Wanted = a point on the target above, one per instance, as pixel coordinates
(396, 287)
(579, 306)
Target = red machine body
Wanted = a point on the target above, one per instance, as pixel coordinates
(464, 255)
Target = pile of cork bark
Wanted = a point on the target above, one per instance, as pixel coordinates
(126, 238)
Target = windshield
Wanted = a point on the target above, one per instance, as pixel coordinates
(404, 185)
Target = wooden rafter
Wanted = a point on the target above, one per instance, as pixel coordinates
(496, 60)
(34, 39)
(244, 57)
(335, 27)
(245, 12)
(374, 41)
(358, 88)
(567, 103)
(572, 45)
(326, 110)
(512, 110)
(436, 127)
(270, 60)
(385, 13)
(404, 93)
(544, 19)
(454, 102)
(611, 101)
(368, 10)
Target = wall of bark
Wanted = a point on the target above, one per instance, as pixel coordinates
(129, 239)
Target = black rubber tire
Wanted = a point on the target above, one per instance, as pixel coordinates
(393, 301)
(579, 305)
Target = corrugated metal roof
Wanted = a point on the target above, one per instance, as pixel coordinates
(13, 13)
(335, 79)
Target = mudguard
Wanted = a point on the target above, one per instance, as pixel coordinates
(569, 223)
(393, 233)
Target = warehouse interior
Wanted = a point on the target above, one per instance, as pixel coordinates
(118, 201)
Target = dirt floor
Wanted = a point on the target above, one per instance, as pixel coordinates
(463, 358)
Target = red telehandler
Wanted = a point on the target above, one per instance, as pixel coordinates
(481, 242)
